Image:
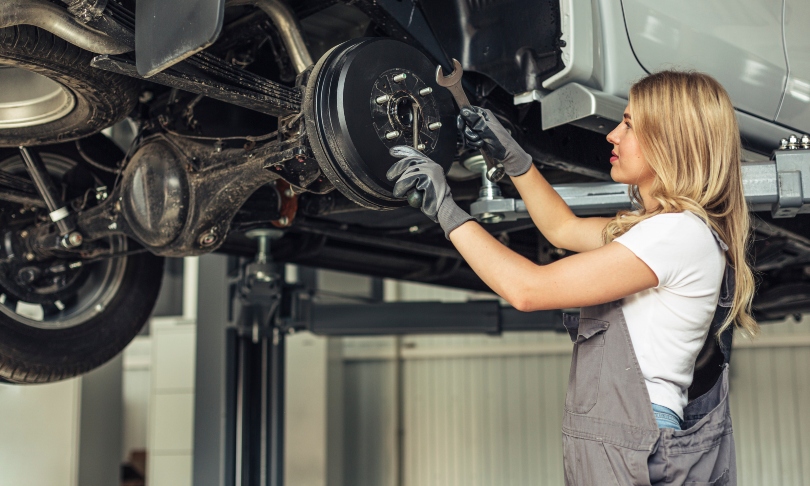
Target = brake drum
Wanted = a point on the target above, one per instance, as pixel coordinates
(364, 97)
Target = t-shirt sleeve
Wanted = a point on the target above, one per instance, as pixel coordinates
(670, 244)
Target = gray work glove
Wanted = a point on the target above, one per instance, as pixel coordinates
(416, 171)
(482, 130)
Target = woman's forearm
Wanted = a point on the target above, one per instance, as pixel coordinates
(498, 266)
(548, 210)
(552, 216)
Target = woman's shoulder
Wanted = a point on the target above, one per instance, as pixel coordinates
(684, 227)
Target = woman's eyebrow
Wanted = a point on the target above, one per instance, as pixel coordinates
(627, 116)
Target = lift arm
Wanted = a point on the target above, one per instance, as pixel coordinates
(780, 185)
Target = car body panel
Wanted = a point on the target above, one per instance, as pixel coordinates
(795, 109)
(739, 43)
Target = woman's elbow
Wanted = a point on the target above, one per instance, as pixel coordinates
(524, 302)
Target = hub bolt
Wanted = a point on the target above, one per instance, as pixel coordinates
(72, 240)
(382, 99)
(434, 126)
(392, 135)
(29, 274)
(425, 91)
(400, 77)
(289, 192)
(29, 256)
(284, 221)
(421, 146)
(208, 239)
(24, 234)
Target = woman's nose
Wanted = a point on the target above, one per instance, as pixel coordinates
(612, 137)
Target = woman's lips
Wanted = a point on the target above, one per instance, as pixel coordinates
(613, 159)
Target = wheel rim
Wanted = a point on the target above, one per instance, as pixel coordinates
(91, 297)
(29, 99)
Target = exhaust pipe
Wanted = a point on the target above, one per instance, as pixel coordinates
(59, 22)
(284, 19)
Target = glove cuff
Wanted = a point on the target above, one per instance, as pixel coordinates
(517, 164)
(451, 216)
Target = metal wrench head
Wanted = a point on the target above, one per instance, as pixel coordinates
(450, 79)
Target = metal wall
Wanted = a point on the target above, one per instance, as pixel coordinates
(481, 410)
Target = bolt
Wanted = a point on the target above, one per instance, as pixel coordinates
(289, 192)
(300, 154)
(793, 141)
(24, 234)
(425, 91)
(421, 146)
(117, 206)
(72, 240)
(382, 99)
(28, 275)
(113, 226)
(29, 256)
(208, 239)
(146, 97)
(284, 221)
(392, 135)
(413, 229)
(806, 141)
(400, 77)
(434, 126)
(75, 265)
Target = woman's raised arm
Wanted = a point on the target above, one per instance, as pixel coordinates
(552, 216)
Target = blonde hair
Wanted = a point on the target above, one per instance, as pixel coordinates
(688, 134)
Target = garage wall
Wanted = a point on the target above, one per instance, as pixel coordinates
(480, 410)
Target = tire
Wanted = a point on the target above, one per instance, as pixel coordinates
(99, 311)
(99, 98)
(34, 355)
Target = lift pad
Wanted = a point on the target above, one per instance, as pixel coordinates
(168, 32)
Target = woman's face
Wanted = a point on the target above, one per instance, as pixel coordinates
(627, 163)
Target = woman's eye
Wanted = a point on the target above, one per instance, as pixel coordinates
(627, 124)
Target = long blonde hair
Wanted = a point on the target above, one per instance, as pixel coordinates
(688, 134)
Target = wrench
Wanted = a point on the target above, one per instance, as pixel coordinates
(452, 82)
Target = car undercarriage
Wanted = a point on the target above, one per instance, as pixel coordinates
(274, 115)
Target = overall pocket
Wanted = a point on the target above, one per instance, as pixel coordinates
(586, 366)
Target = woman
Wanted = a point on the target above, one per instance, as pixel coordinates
(649, 280)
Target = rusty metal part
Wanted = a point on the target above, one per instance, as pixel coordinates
(289, 204)
(288, 28)
(268, 98)
(61, 23)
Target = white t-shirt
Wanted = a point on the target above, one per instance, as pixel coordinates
(668, 324)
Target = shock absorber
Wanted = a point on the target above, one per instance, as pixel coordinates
(58, 212)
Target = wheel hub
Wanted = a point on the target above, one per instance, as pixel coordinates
(366, 96)
(29, 99)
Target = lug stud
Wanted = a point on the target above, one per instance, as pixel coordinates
(400, 77)
(425, 91)
(392, 135)
(421, 146)
(382, 99)
(434, 126)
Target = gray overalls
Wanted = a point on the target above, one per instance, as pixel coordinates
(610, 436)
